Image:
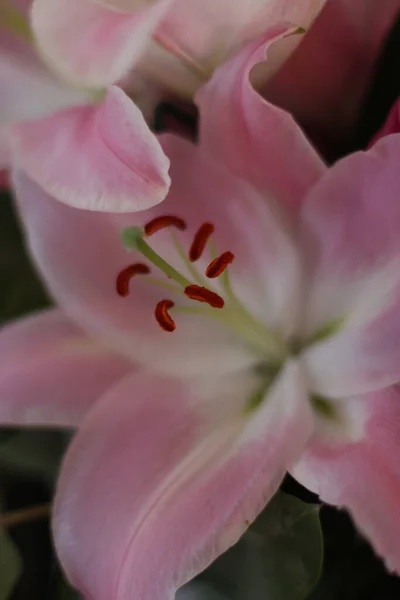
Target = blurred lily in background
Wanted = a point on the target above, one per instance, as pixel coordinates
(90, 148)
(325, 80)
(191, 39)
(249, 327)
(79, 134)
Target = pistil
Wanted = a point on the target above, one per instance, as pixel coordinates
(132, 238)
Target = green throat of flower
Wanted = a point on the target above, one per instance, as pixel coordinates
(223, 305)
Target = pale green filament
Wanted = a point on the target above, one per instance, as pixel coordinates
(271, 341)
(12, 20)
(161, 283)
(234, 315)
(326, 331)
(132, 238)
(189, 265)
(213, 249)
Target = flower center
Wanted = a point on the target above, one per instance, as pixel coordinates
(270, 349)
(133, 237)
(224, 306)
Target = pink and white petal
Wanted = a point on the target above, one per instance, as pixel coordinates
(257, 140)
(364, 477)
(89, 43)
(324, 80)
(153, 475)
(350, 230)
(266, 271)
(23, 6)
(28, 90)
(97, 157)
(51, 372)
(80, 255)
(202, 33)
(125, 5)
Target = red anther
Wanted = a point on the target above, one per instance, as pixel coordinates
(202, 294)
(163, 222)
(200, 240)
(164, 320)
(219, 264)
(123, 279)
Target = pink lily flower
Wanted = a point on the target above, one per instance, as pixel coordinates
(253, 330)
(87, 146)
(325, 79)
(78, 37)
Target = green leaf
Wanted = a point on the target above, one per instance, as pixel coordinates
(21, 289)
(351, 568)
(65, 592)
(10, 565)
(292, 547)
(33, 452)
(278, 558)
(6, 433)
(199, 590)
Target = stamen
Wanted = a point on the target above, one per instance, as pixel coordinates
(164, 320)
(200, 241)
(219, 264)
(202, 294)
(124, 277)
(163, 222)
(132, 238)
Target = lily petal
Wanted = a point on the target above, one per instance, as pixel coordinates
(80, 255)
(351, 221)
(125, 5)
(324, 80)
(97, 157)
(89, 43)
(23, 6)
(152, 474)
(257, 140)
(364, 477)
(28, 90)
(205, 32)
(51, 373)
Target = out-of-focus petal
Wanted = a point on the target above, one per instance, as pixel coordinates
(125, 5)
(351, 221)
(51, 372)
(155, 476)
(364, 477)
(98, 157)
(23, 6)
(80, 255)
(257, 140)
(28, 90)
(89, 43)
(204, 32)
(324, 80)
